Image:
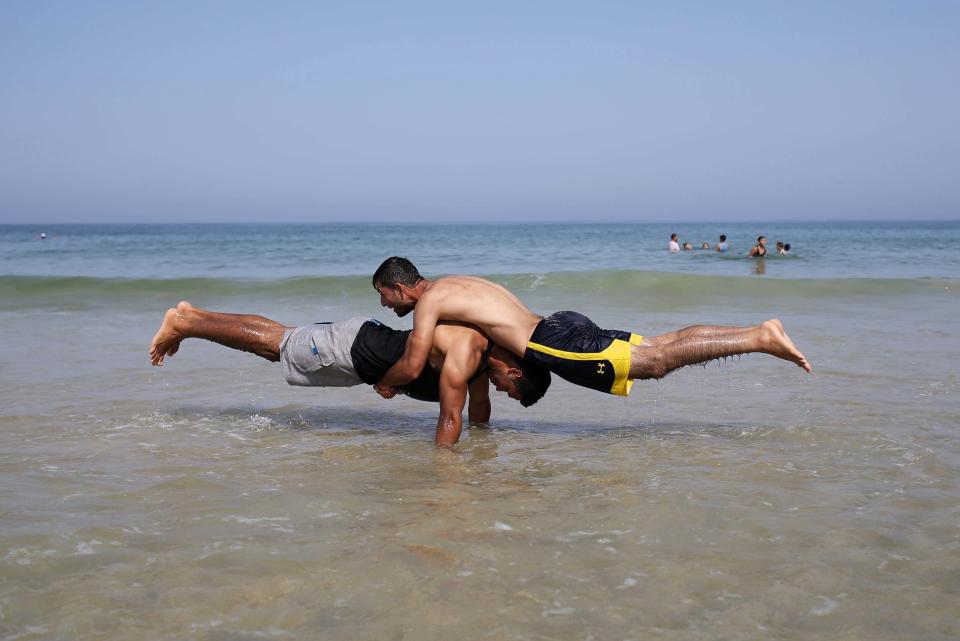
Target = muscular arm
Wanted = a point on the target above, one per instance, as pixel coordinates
(478, 409)
(453, 396)
(459, 364)
(415, 356)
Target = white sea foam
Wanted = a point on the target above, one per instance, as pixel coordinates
(826, 606)
(254, 520)
(556, 611)
(86, 547)
(28, 631)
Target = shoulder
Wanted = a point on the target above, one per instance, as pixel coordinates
(460, 337)
(443, 287)
(457, 289)
(451, 331)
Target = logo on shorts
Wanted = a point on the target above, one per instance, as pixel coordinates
(600, 367)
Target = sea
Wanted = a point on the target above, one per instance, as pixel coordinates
(744, 499)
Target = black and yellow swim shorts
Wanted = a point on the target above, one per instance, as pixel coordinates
(574, 348)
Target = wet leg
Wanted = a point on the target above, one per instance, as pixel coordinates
(702, 331)
(703, 343)
(245, 332)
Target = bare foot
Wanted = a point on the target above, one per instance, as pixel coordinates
(777, 343)
(166, 341)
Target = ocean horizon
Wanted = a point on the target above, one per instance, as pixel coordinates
(274, 250)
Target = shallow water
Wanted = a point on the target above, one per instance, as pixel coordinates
(742, 500)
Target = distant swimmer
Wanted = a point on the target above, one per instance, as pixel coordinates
(722, 245)
(760, 249)
(674, 245)
(567, 343)
(688, 247)
(461, 361)
(783, 249)
(705, 245)
(43, 236)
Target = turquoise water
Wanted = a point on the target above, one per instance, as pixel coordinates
(819, 250)
(746, 499)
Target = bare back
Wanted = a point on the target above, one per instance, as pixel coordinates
(484, 304)
(448, 337)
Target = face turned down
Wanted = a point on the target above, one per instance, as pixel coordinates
(504, 378)
(519, 380)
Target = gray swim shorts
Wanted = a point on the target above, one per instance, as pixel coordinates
(319, 355)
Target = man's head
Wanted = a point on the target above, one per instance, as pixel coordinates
(761, 240)
(395, 281)
(723, 238)
(673, 237)
(520, 380)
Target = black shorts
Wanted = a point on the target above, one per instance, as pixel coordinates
(572, 346)
(377, 347)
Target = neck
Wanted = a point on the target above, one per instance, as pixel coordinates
(417, 290)
(499, 353)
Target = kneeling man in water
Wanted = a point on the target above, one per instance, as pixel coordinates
(461, 360)
(567, 343)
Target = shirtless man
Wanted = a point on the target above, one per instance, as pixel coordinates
(566, 343)
(460, 359)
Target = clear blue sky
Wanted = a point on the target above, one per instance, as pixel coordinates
(350, 111)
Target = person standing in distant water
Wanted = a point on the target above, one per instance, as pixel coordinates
(674, 245)
(43, 236)
(760, 249)
(705, 245)
(722, 245)
(687, 247)
(785, 251)
(780, 247)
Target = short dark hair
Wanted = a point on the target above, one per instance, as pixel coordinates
(396, 271)
(759, 238)
(723, 238)
(787, 246)
(533, 384)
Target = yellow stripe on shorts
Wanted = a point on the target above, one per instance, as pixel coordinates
(618, 353)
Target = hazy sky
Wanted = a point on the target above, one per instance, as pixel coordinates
(296, 111)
